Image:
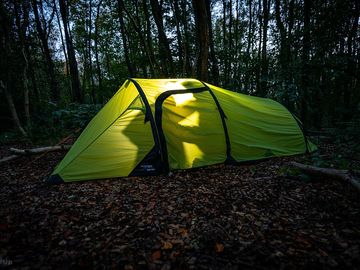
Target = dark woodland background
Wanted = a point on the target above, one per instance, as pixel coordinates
(62, 59)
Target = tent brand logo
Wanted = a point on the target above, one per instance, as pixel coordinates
(148, 168)
(5, 261)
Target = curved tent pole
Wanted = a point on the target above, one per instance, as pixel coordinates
(149, 116)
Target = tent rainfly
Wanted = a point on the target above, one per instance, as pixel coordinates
(151, 126)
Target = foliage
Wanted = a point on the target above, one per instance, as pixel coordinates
(312, 67)
(56, 123)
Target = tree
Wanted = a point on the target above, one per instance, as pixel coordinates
(74, 72)
(202, 31)
(164, 46)
(43, 36)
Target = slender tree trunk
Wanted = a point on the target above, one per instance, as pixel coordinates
(305, 62)
(258, 69)
(351, 62)
(149, 43)
(285, 49)
(12, 108)
(213, 59)
(55, 92)
(130, 67)
(140, 34)
(264, 59)
(22, 28)
(187, 52)
(176, 10)
(98, 68)
(224, 43)
(248, 47)
(164, 46)
(74, 72)
(91, 75)
(202, 30)
(231, 41)
(63, 46)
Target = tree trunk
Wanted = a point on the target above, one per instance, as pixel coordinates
(202, 30)
(213, 59)
(90, 72)
(22, 28)
(264, 59)
(164, 46)
(258, 69)
(55, 92)
(149, 42)
(12, 108)
(176, 10)
(63, 46)
(74, 72)
(140, 34)
(131, 69)
(248, 47)
(351, 62)
(285, 49)
(187, 68)
(98, 69)
(305, 62)
(224, 44)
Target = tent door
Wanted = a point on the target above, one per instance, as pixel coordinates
(191, 130)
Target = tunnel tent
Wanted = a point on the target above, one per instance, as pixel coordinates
(151, 126)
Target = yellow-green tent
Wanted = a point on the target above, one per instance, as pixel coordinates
(152, 126)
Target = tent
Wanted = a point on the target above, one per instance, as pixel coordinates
(151, 126)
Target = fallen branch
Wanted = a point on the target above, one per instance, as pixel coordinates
(39, 150)
(8, 158)
(344, 175)
(24, 152)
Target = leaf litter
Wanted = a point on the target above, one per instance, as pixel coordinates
(222, 216)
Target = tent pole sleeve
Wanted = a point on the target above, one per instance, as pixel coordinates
(148, 115)
(301, 126)
(229, 158)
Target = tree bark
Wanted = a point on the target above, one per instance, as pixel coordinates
(90, 71)
(98, 68)
(22, 26)
(63, 46)
(264, 58)
(164, 46)
(202, 30)
(12, 108)
(176, 10)
(305, 62)
(187, 51)
(55, 92)
(74, 72)
(285, 48)
(213, 58)
(149, 43)
(130, 67)
(248, 47)
(140, 34)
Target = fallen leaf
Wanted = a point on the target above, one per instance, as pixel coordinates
(156, 255)
(219, 247)
(167, 245)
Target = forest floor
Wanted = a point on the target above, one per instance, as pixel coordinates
(259, 216)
